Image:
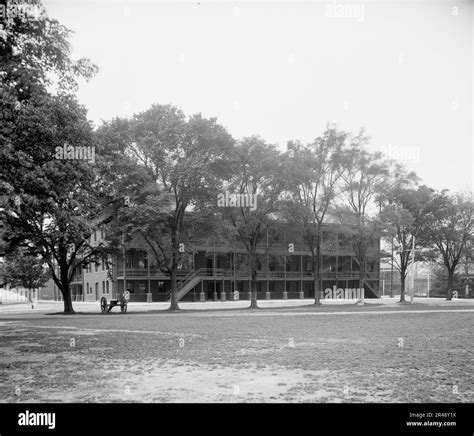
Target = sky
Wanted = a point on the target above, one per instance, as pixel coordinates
(402, 70)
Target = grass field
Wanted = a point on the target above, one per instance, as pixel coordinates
(341, 353)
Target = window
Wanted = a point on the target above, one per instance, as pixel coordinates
(96, 288)
(95, 235)
(107, 287)
(103, 287)
(87, 289)
(96, 266)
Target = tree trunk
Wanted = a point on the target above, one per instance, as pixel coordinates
(253, 281)
(253, 297)
(174, 271)
(361, 273)
(65, 288)
(316, 259)
(174, 290)
(402, 284)
(402, 291)
(316, 276)
(317, 291)
(67, 300)
(449, 295)
(31, 298)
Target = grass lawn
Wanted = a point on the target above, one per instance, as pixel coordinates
(269, 355)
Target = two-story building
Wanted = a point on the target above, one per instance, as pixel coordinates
(220, 271)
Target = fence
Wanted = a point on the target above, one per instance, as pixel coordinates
(424, 285)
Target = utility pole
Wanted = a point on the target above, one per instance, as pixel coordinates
(148, 295)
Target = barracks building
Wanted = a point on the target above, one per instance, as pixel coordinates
(218, 271)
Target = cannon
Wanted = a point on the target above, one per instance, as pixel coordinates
(120, 302)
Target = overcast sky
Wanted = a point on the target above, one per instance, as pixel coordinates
(402, 70)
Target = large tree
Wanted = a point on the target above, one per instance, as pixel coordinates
(449, 227)
(170, 167)
(52, 203)
(249, 202)
(48, 200)
(361, 183)
(403, 217)
(312, 174)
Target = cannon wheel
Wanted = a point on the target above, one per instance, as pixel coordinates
(123, 307)
(103, 304)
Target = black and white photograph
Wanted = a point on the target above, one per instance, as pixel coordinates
(240, 204)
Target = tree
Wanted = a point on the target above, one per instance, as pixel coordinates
(362, 182)
(35, 59)
(48, 199)
(250, 200)
(26, 271)
(440, 278)
(52, 203)
(404, 216)
(467, 263)
(169, 166)
(313, 173)
(448, 228)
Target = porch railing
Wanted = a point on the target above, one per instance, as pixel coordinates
(185, 275)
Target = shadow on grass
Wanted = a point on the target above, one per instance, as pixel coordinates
(303, 309)
(237, 310)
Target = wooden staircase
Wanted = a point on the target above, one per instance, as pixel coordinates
(194, 278)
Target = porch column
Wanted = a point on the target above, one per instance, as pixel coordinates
(235, 296)
(202, 297)
(148, 294)
(301, 281)
(223, 295)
